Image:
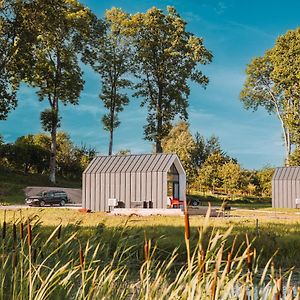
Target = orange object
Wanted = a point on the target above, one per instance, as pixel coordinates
(175, 203)
(84, 210)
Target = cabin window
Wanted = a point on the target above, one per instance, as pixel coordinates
(173, 183)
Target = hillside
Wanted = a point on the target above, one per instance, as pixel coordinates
(13, 183)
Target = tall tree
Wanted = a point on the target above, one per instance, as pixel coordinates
(60, 26)
(111, 57)
(181, 142)
(205, 147)
(13, 42)
(273, 83)
(166, 57)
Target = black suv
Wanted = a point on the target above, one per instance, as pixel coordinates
(50, 197)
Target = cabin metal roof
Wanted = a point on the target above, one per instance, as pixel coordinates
(134, 163)
(287, 173)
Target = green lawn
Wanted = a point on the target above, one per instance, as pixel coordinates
(12, 185)
(234, 201)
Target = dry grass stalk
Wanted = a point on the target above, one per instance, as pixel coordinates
(81, 257)
(146, 250)
(14, 233)
(14, 259)
(21, 231)
(4, 226)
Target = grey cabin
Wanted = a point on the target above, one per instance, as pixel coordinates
(286, 188)
(132, 180)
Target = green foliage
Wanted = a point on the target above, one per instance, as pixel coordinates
(60, 30)
(124, 152)
(50, 119)
(166, 57)
(31, 154)
(231, 175)
(181, 142)
(273, 83)
(265, 180)
(209, 173)
(204, 148)
(110, 56)
(8, 35)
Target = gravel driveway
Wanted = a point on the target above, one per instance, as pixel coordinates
(24, 206)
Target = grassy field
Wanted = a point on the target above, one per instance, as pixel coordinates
(12, 185)
(278, 230)
(66, 254)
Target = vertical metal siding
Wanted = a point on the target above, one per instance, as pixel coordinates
(164, 188)
(98, 191)
(93, 195)
(83, 201)
(138, 187)
(154, 189)
(127, 190)
(127, 178)
(159, 196)
(88, 191)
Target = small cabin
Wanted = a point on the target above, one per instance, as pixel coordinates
(133, 181)
(286, 188)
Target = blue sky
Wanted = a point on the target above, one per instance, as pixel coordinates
(235, 31)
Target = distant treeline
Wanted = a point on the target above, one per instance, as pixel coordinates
(31, 154)
(210, 169)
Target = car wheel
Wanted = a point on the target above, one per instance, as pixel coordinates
(62, 203)
(195, 203)
(42, 203)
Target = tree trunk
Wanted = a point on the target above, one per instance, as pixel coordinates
(53, 142)
(287, 143)
(111, 121)
(111, 137)
(53, 154)
(158, 147)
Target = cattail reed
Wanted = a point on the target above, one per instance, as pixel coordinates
(213, 289)
(228, 264)
(4, 226)
(59, 232)
(202, 263)
(186, 222)
(81, 257)
(29, 237)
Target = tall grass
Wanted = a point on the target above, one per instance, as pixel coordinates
(62, 266)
